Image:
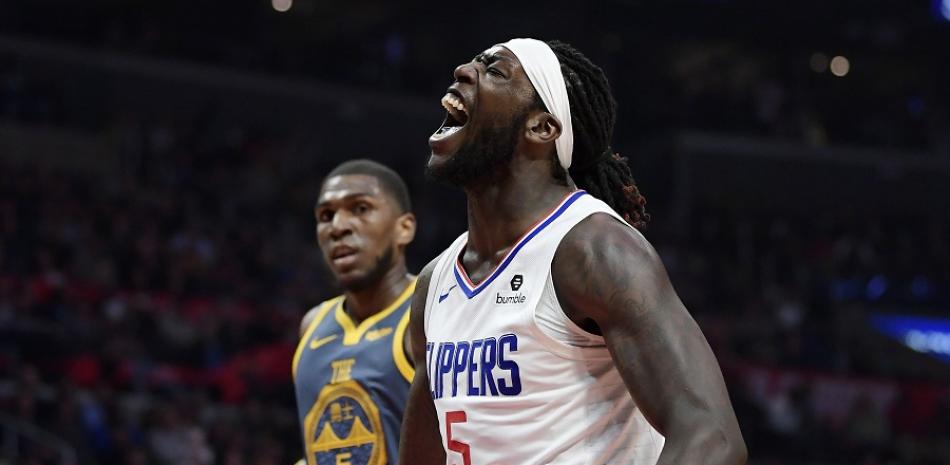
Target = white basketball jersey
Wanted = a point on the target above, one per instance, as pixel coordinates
(516, 382)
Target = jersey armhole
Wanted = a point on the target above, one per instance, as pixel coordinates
(325, 308)
(436, 280)
(553, 327)
(561, 335)
(399, 348)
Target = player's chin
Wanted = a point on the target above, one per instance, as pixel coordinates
(441, 158)
(350, 278)
(437, 161)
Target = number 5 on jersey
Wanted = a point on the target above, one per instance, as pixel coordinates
(457, 416)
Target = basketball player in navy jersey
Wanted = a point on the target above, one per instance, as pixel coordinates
(550, 332)
(351, 371)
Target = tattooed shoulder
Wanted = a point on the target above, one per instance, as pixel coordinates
(600, 265)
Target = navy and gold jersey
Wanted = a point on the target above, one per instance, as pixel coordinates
(352, 383)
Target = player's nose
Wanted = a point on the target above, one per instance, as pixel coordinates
(465, 73)
(341, 225)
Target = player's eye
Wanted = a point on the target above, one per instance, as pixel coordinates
(495, 72)
(324, 216)
(362, 208)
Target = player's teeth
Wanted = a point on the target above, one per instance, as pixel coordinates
(450, 101)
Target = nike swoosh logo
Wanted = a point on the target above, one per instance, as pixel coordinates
(317, 343)
(446, 295)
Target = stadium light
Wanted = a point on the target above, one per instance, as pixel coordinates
(282, 5)
(923, 334)
(840, 66)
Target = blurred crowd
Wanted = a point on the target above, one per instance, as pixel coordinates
(149, 306)
(796, 291)
(145, 325)
(150, 317)
(786, 302)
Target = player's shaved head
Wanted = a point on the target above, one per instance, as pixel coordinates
(388, 179)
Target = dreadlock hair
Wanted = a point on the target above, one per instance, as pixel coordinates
(595, 167)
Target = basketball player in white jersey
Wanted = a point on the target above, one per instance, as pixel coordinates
(550, 332)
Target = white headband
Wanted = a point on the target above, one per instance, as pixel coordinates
(544, 70)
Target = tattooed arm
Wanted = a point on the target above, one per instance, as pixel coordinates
(609, 279)
(420, 441)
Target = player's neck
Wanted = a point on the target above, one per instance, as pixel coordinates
(365, 303)
(500, 211)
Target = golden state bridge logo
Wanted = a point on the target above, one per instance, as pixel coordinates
(344, 428)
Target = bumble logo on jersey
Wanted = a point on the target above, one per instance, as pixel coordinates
(344, 428)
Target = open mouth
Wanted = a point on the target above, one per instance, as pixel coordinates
(455, 118)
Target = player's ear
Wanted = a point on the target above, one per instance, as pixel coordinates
(542, 127)
(405, 229)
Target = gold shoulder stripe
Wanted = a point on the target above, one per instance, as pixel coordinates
(399, 348)
(325, 308)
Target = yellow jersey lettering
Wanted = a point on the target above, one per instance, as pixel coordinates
(342, 370)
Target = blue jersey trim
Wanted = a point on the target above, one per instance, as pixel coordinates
(463, 281)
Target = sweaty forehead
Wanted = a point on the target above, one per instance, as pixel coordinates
(500, 51)
(349, 185)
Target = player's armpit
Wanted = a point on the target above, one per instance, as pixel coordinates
(420, 442)
(307, 319)
(407, 345)
(606, 272)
